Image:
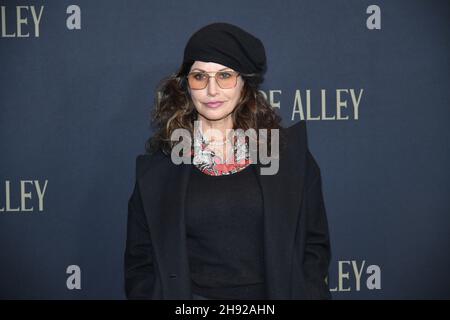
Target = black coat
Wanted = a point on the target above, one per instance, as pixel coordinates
(296, 239)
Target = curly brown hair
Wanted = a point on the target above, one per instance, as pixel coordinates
(175, 109)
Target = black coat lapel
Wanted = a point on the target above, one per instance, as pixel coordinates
(281, 200)
(163, 189)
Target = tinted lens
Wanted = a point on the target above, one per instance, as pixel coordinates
(197, 80)
(226, 80)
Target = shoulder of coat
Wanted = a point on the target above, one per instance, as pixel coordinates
(145, 161)
(296, 135)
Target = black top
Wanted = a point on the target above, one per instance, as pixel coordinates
(224, 226)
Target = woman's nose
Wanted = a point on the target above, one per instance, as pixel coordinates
(212, 86)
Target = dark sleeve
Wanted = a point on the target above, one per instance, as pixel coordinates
(317, 251)
(138, 261)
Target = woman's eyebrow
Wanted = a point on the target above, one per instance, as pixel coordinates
(211, 71)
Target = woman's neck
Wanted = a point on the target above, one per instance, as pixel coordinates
(218, 131)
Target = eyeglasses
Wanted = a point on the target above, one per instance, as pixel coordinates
(225, 79)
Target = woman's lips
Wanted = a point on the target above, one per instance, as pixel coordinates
(214, 104)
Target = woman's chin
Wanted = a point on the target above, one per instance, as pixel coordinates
(214, 115)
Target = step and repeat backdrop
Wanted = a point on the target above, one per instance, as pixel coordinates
(77, 84)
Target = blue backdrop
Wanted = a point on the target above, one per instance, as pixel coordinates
(77, 84)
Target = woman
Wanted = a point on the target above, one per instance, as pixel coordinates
(217, 227)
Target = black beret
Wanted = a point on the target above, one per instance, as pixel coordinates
(228, 45)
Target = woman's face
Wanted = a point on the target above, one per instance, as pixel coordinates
(212, 93)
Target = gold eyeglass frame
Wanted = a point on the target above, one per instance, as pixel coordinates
(215, 77)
